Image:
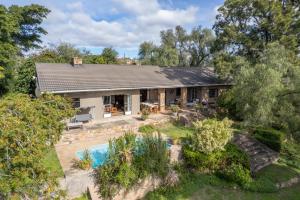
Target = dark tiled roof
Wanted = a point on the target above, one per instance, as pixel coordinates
(64, 78)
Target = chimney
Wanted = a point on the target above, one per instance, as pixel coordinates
(76, 61)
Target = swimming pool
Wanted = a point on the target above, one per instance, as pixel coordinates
(99, 154)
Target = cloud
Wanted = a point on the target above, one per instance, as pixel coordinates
(138, 21)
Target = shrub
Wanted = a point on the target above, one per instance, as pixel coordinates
(199, 107)
(233, 154)
(130, 160)
(175, 108)
(270, 137)
(145, 114)
(152, 156)
(85, 162)
(201, 161)
(215, 160)
(149, 128)
(211, 135)
(237, 173)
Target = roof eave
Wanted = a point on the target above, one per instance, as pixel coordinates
(139, 88)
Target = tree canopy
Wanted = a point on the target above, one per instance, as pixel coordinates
(20, 31)
(246, 27)
(28, 128)
(179, 48)
(266, 93)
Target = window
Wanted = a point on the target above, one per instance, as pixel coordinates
(127, 103)
(76, 102)
(191, 94)
(178, 92)
(106, 100)
(212, 93)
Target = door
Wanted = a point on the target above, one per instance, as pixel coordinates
(127, 104)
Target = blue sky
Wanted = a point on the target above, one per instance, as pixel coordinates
(122, 24)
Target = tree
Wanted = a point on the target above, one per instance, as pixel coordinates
(25, 78)
(199, 45)
(181, 45)
(62, 53)
(109, 55)
(167, 56)
(28, 128)
(168, 38)
(67, 51)
(246, 27)
(266, 94)
(20, 31)
(179, 48)
(147, 53)
(211, 135)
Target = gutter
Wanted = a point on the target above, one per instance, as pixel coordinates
(139, 88)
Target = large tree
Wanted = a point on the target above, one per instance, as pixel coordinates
(179, 48)
(109, 55)
(28, 128)
(25, 80)
(246, 27)
(199, 46)
(20, 31)
(61, 53)
(267, 93)
(148, 53)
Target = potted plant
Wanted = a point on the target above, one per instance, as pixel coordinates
(145, 114)
(175, 109)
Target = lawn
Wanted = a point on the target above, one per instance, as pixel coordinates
(290, 154)
(84, 196)
(209, 187)
(277, 173)
(175, 131)
(52, 164)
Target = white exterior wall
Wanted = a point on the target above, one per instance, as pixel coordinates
(94, 99)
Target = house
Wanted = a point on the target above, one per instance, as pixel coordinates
(109, 90)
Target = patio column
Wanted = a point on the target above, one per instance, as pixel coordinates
(204, 93)
(183, 97)
(161, 99)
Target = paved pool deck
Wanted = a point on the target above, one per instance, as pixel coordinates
(98, 133)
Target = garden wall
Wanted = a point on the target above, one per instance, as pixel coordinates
(136, 192)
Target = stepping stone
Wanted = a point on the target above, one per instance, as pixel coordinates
(259, 154)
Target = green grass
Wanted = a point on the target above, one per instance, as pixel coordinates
(84, 196)
(277, 173)
(52, 164)
(290, 154)
(175, 131)
(210, 187)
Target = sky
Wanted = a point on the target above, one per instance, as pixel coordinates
(121, 24)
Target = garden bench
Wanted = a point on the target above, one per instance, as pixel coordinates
(83, 118)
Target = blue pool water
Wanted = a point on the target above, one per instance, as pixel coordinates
(99, 154)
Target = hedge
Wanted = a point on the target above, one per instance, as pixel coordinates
(270, 137)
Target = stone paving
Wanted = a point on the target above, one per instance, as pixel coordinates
(95, 134)
(76, 181)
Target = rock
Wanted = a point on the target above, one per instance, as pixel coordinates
(172, 178)
(175, 153)
(184, 120)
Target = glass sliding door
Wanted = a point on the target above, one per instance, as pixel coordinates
(127, 104)
(107, 106)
